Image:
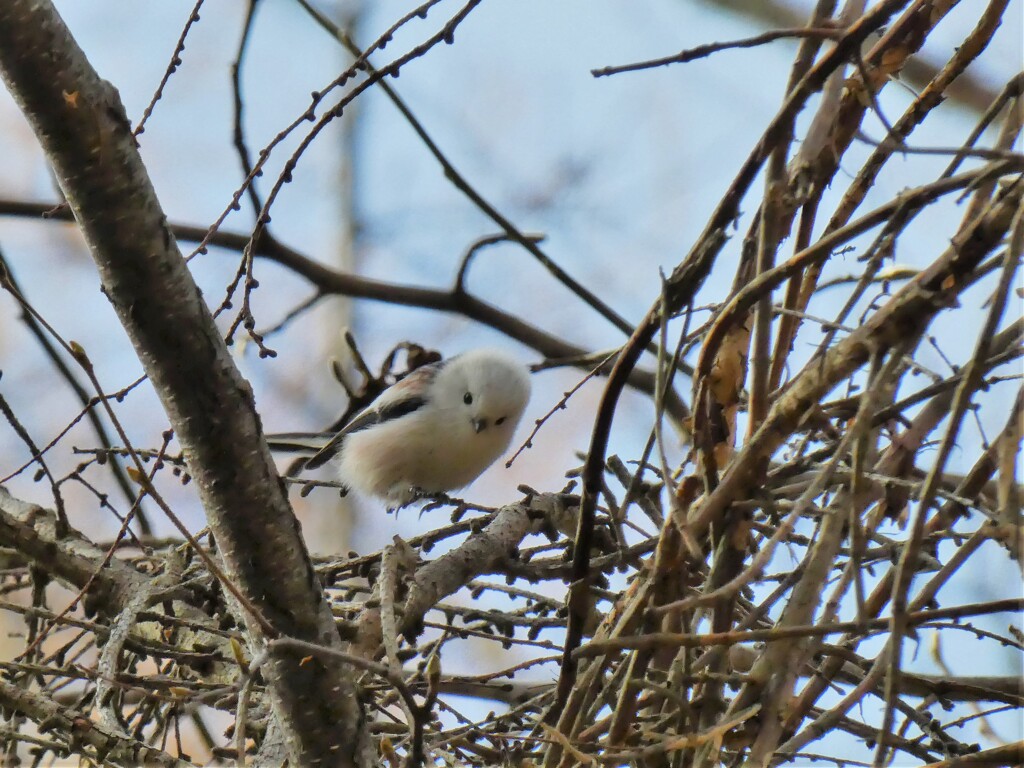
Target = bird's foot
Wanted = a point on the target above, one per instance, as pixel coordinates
(414, 494)
(437, 500)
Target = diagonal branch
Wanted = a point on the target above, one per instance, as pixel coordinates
(92, 740)
(81, 125)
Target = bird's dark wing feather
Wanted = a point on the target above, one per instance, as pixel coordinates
(393, 411)
(400, 399)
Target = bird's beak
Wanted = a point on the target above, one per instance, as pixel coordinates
(479, 425)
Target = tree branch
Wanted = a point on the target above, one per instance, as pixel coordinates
(81, 125)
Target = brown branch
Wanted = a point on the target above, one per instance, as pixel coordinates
(710, 639)
(330, 281)
(743, 299)
(451, 173)
(116, 469)
(1008, 689)
(702, 51)
(1004, 754)
(971, 91)
(682, 285)
(911, 309)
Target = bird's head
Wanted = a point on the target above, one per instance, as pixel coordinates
(488, 389)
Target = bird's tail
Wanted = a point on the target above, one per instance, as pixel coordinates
(311, 450)
(303, 443)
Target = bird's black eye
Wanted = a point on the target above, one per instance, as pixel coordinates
(500, 421)
(467, 398)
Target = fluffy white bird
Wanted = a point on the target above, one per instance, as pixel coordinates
(434, 431)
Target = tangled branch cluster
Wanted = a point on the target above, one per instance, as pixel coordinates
(751, 601)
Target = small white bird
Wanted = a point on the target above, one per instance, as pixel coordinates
(434, 431)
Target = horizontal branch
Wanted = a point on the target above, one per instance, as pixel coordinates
(707, 640)
(329, 281)
(702, 51)
(1004, 754)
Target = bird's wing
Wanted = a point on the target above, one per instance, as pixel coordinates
(400, 399)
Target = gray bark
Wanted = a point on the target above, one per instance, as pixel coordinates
(81, 124)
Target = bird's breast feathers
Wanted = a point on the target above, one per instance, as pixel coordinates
(426, 449)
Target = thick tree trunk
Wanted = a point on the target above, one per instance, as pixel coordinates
(81, 124)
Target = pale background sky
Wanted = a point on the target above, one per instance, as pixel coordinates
(619, 173)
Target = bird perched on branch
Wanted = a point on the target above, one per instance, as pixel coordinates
(434, 431)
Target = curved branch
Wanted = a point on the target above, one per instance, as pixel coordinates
(333, 282)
